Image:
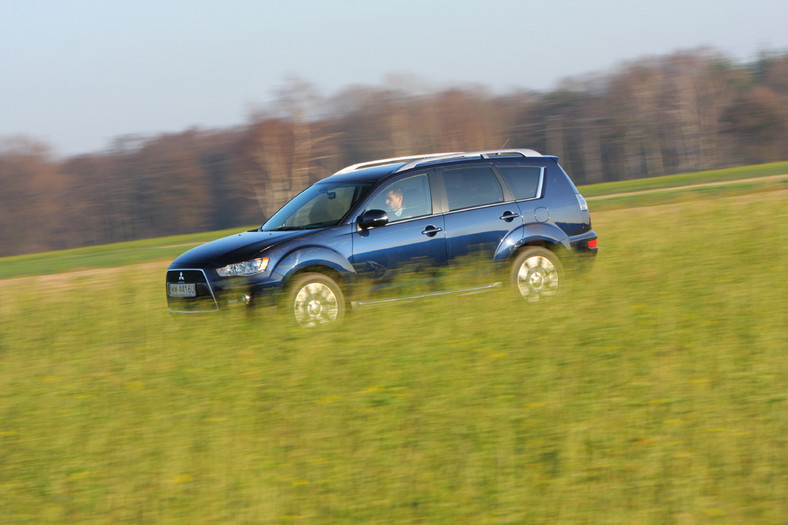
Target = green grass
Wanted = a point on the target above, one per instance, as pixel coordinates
(686, 179)
(685, 195)
(654, 392)
(105, 256)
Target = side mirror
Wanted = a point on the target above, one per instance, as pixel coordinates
(373, 219)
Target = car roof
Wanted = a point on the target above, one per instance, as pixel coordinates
(377, 169)
(364, 175)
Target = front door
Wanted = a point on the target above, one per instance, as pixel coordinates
(398, 257)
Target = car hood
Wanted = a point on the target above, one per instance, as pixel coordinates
(233, 249)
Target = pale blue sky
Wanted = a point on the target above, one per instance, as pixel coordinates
(77, 73)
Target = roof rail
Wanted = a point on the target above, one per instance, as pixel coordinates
(383, 162)
(486, 154)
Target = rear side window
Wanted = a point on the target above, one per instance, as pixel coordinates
(468, 187)
(524, 181)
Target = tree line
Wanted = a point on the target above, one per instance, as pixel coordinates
(683, 112)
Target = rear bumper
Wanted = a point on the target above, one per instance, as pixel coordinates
(585, 245)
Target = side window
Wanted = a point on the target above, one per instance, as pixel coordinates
(524, 181)
(404, 198)
(468, 187)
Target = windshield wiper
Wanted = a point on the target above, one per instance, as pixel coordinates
(314, 226)
(289, 228)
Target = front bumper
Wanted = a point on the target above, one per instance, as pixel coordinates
(194, 292)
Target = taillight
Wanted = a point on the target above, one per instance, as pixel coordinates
(592, 243)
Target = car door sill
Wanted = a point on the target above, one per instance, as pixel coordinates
(466, 291)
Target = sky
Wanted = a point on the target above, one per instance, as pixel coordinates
(76, 74)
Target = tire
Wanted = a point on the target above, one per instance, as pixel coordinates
(537, 274)
(314, 300)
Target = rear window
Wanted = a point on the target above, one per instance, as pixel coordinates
(468, 187)
(524, 181)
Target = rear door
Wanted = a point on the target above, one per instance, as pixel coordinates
(526, 183)
(480, 213)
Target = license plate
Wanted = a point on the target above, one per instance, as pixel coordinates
(182, 290)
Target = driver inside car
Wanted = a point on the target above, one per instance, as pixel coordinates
(394, 201)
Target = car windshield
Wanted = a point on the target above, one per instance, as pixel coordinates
(320, 205)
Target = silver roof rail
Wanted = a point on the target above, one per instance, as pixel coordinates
(486, 154)
(383, 162)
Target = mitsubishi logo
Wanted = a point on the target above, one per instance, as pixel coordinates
(181, 279)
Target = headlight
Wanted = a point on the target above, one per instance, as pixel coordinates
(244, 268)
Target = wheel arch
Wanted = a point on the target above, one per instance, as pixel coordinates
(318, 268)
(316, 259)
(554, 247)
(545, 236)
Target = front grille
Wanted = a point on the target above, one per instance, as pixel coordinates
(186, 276)
(203, 301)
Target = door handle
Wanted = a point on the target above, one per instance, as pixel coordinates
(430, 231)
(508, 216)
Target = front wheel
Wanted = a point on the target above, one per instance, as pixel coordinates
(536, 274)
(315, 299)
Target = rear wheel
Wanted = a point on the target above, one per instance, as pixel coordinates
(315, 299)
(536, 274)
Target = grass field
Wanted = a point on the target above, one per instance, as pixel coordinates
(655, 391)
(105, 256)
(686, 179)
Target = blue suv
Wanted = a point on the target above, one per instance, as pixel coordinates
(369, 222)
